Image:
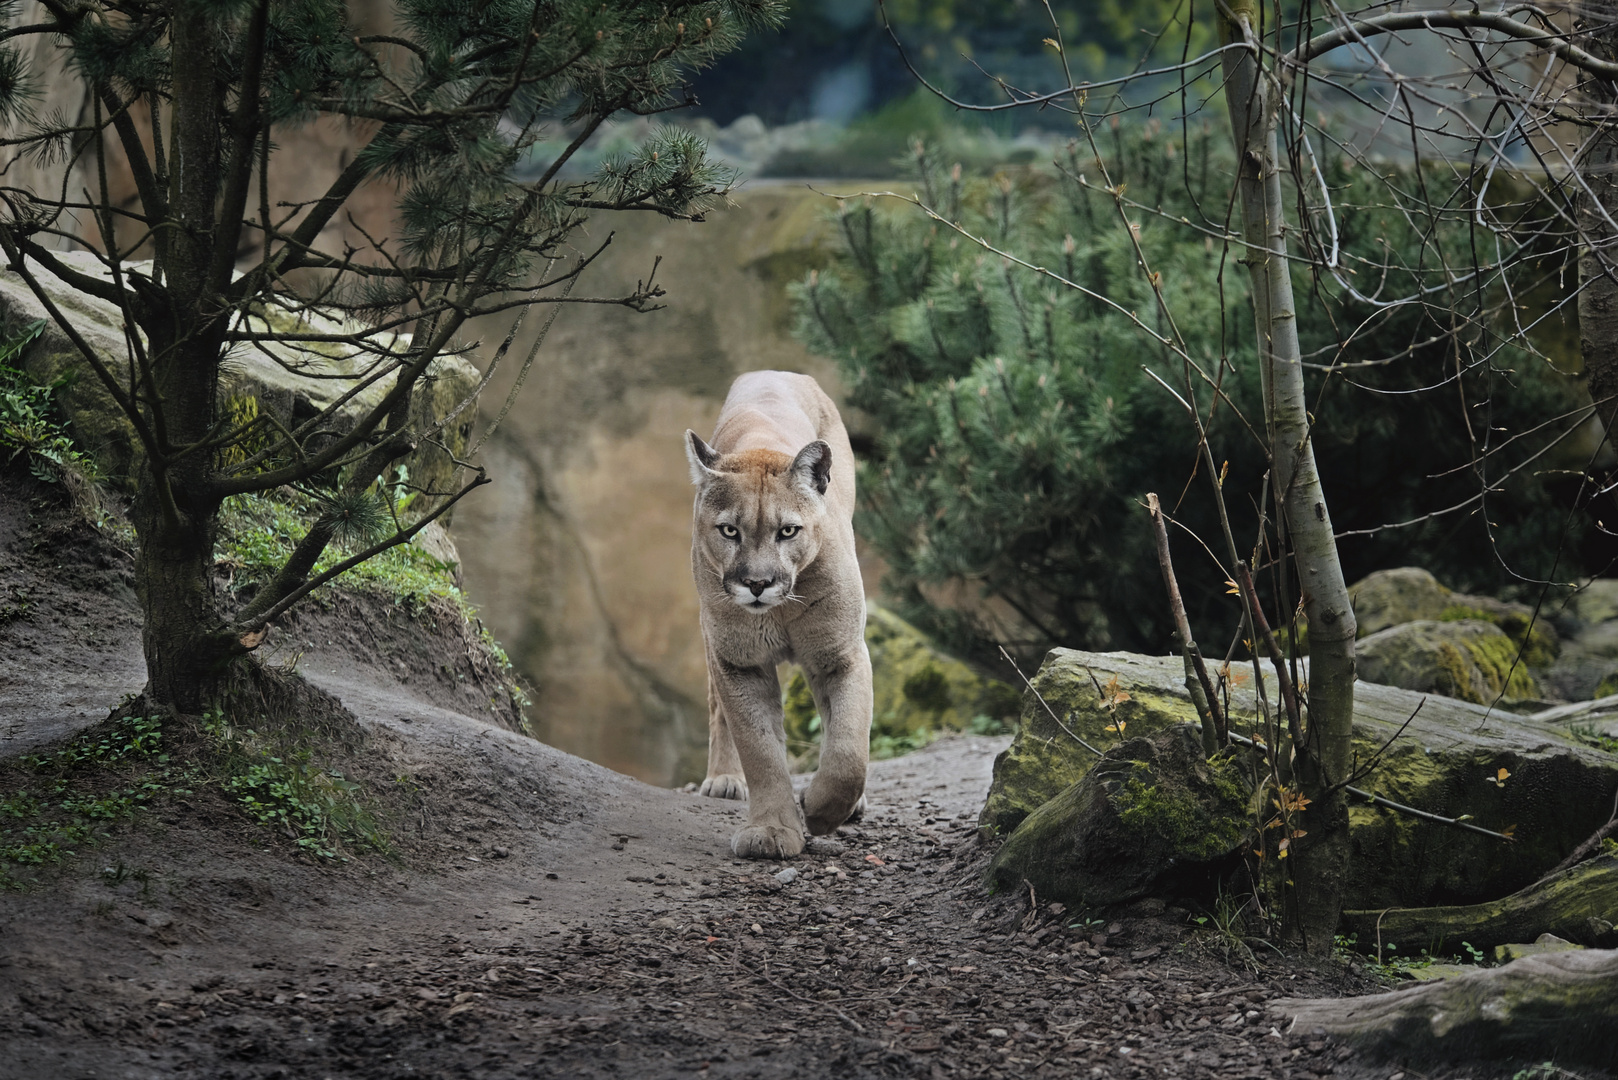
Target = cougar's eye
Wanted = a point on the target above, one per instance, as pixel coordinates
(787, 532)
(730, 532)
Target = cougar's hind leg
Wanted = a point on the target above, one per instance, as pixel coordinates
(842, 689)
(725, 779)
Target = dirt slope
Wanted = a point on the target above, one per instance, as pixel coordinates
(548, 917)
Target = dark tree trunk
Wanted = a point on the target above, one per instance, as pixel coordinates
(183, 641)
(175, 511)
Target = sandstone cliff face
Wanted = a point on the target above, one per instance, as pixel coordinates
(579, 554)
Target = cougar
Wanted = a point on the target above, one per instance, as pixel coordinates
(772, 552)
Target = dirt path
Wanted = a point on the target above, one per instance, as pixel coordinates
(563, 920)
(548, 917)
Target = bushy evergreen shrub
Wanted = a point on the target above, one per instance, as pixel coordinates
(1018, 432)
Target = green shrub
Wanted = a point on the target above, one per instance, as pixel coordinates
(1018, 433)
(29, 420)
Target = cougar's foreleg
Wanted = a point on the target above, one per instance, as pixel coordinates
(751, 699)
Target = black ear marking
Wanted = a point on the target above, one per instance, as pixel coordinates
(813, 465)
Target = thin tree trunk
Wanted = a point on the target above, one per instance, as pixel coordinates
(1320, 860)
(1597, 205)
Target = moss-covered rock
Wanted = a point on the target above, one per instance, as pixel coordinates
(1152, 817)
(1587, 664)
(1390, 597)
(916, 686)
(294, 385)
(1046, 756)
(1409, 594)
(1555, 792)
(1468, 659)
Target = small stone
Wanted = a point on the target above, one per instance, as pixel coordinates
(997, 1033)
(500, 853)
(757, 929)
(787, 876)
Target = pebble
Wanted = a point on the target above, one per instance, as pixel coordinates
(787, 876)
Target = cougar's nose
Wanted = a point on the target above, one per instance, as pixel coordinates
(757, 587)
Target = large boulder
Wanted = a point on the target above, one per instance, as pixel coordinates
(1410, 594)
(1154, 817)
(293, 384)
(1555, 790)
(1587, 666)
(1469, 659)
(916, 685)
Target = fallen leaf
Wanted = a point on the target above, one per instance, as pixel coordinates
(874, 861)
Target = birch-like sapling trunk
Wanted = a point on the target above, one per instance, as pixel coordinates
(1319, 861)
(1597, 201)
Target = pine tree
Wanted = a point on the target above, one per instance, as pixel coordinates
(450, 102)
(1018, 435)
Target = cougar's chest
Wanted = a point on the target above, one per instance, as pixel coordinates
(754, 640)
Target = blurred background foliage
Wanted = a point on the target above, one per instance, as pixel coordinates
(834, 61)
(1018, 434)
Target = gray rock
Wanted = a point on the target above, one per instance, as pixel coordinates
(293, 384)
(1409, 593)
(1151, 818)
(787, 876)
(1556, 793)
(1468, 659)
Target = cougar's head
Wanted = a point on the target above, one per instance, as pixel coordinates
(759, 516)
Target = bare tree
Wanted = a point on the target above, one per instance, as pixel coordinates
(1497, 129)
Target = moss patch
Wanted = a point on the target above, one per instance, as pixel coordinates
(1044, 758)
(1468, 659)
(1153, 817)
(1538, 646)
(1183, 819)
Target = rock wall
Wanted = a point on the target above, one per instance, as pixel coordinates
(579, 554)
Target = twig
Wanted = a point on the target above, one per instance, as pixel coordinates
(1261, 630)
(1048, 709)
(1371, 765)
(1389, 804)
(1207, 702)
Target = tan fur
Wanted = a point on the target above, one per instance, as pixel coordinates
(803, 599)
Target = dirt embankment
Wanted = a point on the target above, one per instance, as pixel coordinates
(543, 916)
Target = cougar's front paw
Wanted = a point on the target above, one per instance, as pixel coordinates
(858, 813)
(767, 842)
(724, 786)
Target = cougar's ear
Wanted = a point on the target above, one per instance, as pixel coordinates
(812, 467)
(701, 456)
